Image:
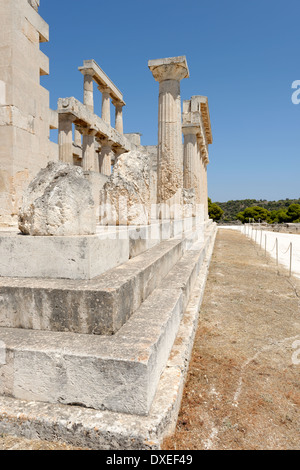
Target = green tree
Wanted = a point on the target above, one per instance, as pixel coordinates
(278, 217)
(293, 212)
(257, 213)
(214, 211)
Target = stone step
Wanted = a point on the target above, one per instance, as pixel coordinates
(119, 373)
(83, 257)
(185, 272)
(99, 306)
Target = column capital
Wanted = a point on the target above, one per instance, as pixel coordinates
(170, 68)
(106, 142)
(66, 117)
(119, 151)
(88, 131)
(190, 129)
(118, 104)
(104, 89)
(87, 74)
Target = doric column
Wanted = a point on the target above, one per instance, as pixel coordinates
(205, 190)
(65, 138)
(191, 177)
(105, 104)
(89, 160)
(169, 72)
(88, 91)
(119, 117)
(106, 156)
(203, 173)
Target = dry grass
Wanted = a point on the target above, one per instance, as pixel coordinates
(243, 390)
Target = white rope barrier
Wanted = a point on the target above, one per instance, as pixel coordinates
(249, 227)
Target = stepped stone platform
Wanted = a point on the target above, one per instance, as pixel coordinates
(99, 306)
(133, 379)
(83, 257)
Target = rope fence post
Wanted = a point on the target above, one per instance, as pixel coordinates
(276, 245)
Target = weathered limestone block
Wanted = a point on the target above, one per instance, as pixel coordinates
(58, 202)
(125, 198)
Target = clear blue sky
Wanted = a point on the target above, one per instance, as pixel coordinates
(243, 55)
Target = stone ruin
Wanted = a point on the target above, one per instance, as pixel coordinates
(105, 246)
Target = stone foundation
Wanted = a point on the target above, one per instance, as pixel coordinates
(150, 404)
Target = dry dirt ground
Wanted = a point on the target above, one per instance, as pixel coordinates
(16, 443)
(243, 387)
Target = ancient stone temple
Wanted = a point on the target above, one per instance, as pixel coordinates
(105, 246)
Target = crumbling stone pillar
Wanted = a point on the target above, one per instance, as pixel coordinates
(169, 72)
(65, 139)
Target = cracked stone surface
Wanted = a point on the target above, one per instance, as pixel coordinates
(125, 198)
(58, 202)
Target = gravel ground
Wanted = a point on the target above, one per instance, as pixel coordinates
(243, 387)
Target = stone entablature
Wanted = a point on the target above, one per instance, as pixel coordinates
(90, 67)
(93, 73)
(196, 113)
(72, 112)
(100, 143)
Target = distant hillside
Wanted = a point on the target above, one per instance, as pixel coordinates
(232, 208)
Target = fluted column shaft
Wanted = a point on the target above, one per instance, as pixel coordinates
(170, 158)
(106, 158)
(89, 162)
(88, 92)
(192, 173)
(119, 118)
(105, 104)
(205, 191)
(65, 139)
